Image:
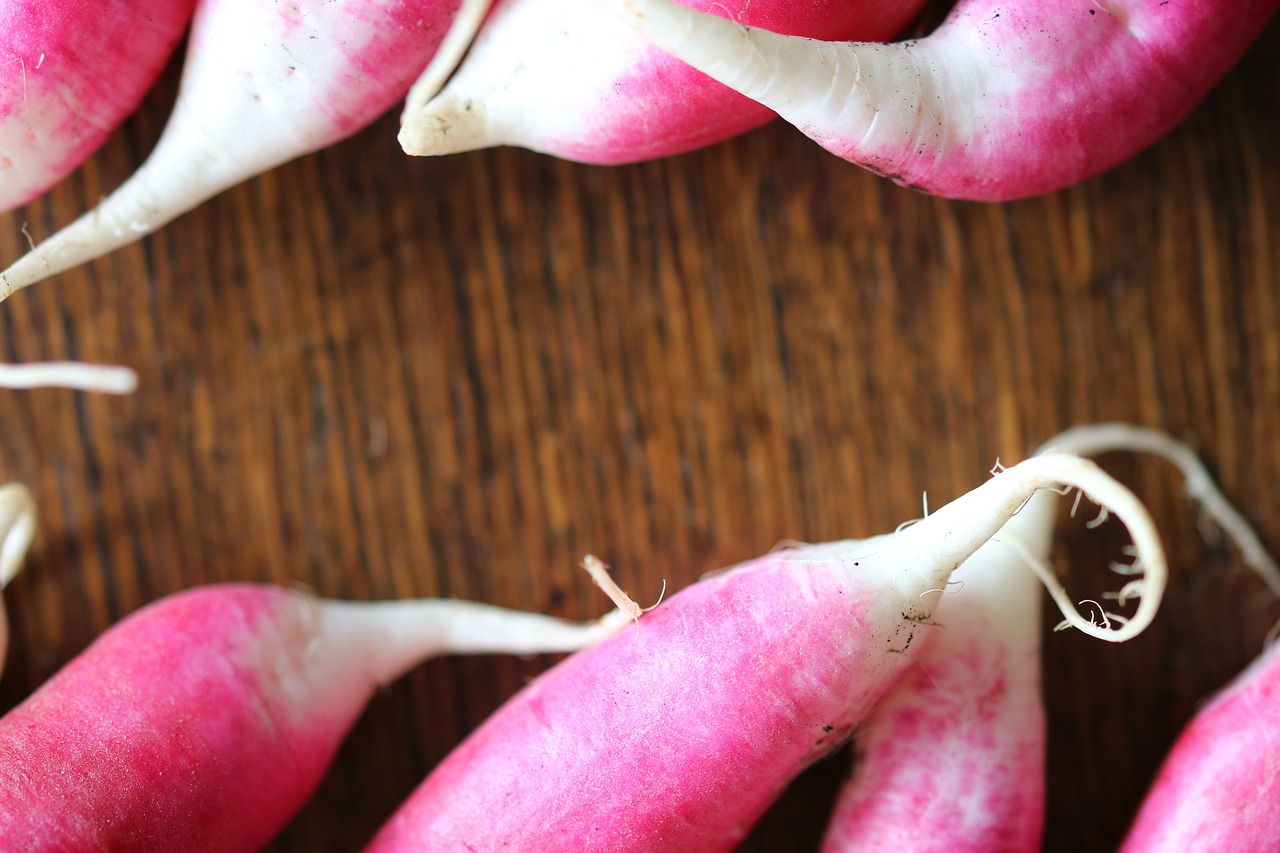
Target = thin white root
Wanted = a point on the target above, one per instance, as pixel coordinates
(100, 378)
(462, 32)
(904, 525)
(17, 528)
(1200, 487)
(1068, 469)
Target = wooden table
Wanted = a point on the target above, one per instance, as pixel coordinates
(379, 377)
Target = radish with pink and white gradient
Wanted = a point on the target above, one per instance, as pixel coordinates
(263, 83)
(567, 77)
(679, 734)
(952, 760)
(1003, 100)
(70, 73)
(204, 721)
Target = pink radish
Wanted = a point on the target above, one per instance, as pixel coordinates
(17, 526)
(1001, 101)
(566, 77)
(70, 72)
(263, 83)
(204, 721)
(1217, 790)
(952, 759)
(677, 736)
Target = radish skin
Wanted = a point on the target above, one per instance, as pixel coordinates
(17, 527)
(204, 721)
(1216, 791)
(70, 73)
(678, 736)
(567, 77)
(263, 83)
(1002, 101)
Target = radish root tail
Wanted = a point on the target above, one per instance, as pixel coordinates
(100, 378)
(1149, 571)
(1200, 487)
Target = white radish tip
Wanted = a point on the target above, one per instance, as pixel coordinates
(17, 528)
(432, 125)
(100, 378)
(447, 124)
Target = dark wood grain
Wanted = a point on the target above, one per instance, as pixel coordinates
(379, 377)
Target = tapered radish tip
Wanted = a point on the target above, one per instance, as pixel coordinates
(447, 124)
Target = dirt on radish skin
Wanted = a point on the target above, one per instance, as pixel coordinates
(567, 77)
(679, 735)
(263, 83)
(70, 73)
(203, 722)
(1001, 101)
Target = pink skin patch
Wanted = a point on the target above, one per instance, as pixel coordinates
(177, 730)
(70, 72)
(1218, 788)
(947, 762)
(676, 736)
(384, 47)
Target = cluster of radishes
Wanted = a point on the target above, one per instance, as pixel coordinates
(1002, 100)
(204, 722)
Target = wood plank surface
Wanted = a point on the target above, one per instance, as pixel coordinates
(378, 377)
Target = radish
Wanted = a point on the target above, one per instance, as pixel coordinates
(70, 72)
(17, 526)
(1217, 789)
(204, 721)
(263, 83)
(1001, 101)
(679, 735)
(567, 77)
(952, 759)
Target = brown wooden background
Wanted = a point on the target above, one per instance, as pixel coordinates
(384, 378)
